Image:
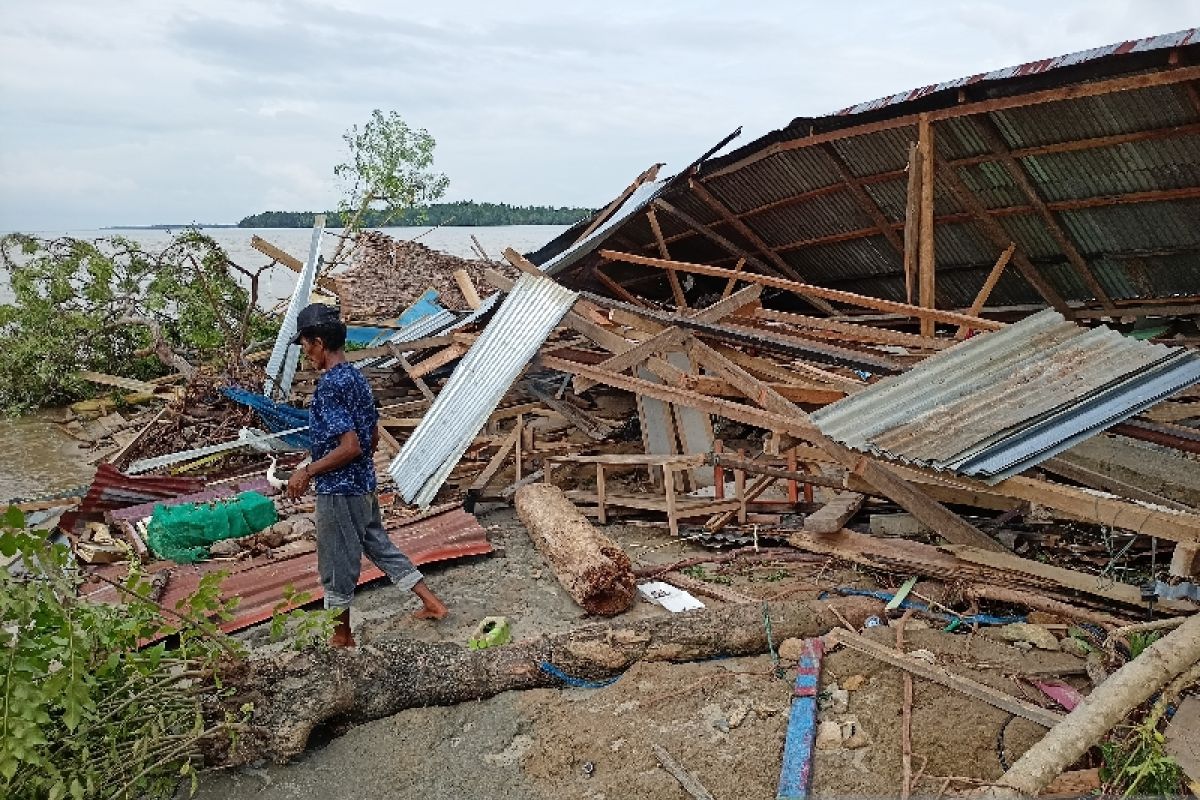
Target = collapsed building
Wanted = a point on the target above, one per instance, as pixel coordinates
(927, 335)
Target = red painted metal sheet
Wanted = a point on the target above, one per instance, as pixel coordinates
(111, 489)
(259, 583)
(1163, 41)
(196, 496)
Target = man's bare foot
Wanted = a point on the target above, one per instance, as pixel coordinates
(342, 637)
(434, 608)
(431, 613)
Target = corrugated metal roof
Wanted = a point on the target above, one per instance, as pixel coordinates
(1161, 42)
(281, 367)
(1004, 401)
(260, 582)
(524, 320)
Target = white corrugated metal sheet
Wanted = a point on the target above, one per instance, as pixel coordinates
(999, 403)
(285, 355)
(523, 322)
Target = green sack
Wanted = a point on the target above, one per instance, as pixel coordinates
(184, 532)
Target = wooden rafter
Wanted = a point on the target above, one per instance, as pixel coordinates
(1072, 92)
(1000, 238)
(986, 290)
(850, 298)
(1016, 170)
(863, 199)
(766, 269)
(672, 278)
(926, 265)
(726, 214)
(648, 175)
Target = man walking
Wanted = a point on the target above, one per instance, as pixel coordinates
(344, 431)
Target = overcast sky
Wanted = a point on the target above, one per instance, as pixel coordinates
(142, 112)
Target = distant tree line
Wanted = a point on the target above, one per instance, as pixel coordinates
(463, 212)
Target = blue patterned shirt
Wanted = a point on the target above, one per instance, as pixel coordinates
(341, 403)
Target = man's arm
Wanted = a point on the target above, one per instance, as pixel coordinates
(347, 450)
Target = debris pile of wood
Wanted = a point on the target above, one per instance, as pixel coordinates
(386, 275)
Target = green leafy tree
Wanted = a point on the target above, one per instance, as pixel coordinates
(110, 306)
(388, 170)
(85, 711)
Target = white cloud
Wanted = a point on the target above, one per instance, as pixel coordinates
(144, 112)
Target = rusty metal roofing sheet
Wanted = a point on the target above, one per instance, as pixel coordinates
(524, 320)
(1160, 42)
(1003, 401)
(111, 490)
(259, 583)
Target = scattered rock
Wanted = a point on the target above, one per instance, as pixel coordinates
(1035, 635)
(854, 683)
(833, 700)
(791, 650)
(225, 548)
(738, 713)
(829, 736)
(853, 735)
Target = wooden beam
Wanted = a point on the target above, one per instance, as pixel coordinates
(833, 516)
(288, 260)
(986, 290)
(1071, 92)
(739, 252)
(912, 211)
(1016, 170)
(941, 675)
(634, 355)
(672, 278)
(850, 298)
(732, 282)
(926, 265)
(1000, 238)
(649, 174)
(417, 380)
(617, 289)
(726, 214)
(855, 332)
(467, 287)
(863, 199)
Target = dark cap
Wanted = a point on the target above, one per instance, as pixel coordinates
(315, 315)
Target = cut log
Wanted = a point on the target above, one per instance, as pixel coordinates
(294, 693)
(1112, 701)
(592, 568)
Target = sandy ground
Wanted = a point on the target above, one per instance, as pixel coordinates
(725, 720)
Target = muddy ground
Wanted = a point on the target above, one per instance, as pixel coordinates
(725, 720)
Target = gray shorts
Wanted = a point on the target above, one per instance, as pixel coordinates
(349, 527)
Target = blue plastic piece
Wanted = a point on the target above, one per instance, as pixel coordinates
(425, 306)
(578, 683)
(969, 619)
(276, 416)
(796, 773)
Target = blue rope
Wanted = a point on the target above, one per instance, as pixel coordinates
(578, 683)
(969, 619)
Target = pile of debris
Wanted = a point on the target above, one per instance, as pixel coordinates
(386, 275)
(1014, 472)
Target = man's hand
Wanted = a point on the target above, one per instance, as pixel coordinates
(298, 483)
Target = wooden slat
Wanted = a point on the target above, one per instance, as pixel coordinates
(985, 291)
(289, 261)
(926, 267)
(833, 516)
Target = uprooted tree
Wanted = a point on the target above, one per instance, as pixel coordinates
(109, 305)
(388, 171)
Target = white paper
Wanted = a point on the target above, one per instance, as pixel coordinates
(669, 597)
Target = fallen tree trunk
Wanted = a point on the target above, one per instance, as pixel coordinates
(592, 568)
(295, 693)
(1113, 700)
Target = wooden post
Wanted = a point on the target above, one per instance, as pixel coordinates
(467, 287)
(911, 222)
(792, 488)
(985, 292)
(718, 472)
(926, 283)
(601, 491)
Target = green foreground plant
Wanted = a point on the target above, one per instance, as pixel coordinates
(83, 711)
(110, 306)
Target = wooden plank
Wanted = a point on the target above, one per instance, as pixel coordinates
(417, 380)
(467, 287)
(854, 331)
(941, 675)
(634, 355)
(649, 174)
(676, 289)
(991, 135)
(926, 267)
(732, 282)
(736, 251)
(131, 384)
(912, 229)
(1095, 585)
(1000, 238)
(617, 289)
(850, 298)
(288, 260)
(388, 439)
(480, 484)
(833, 516)
(985, 291)
(440, 359)
(728, 305)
